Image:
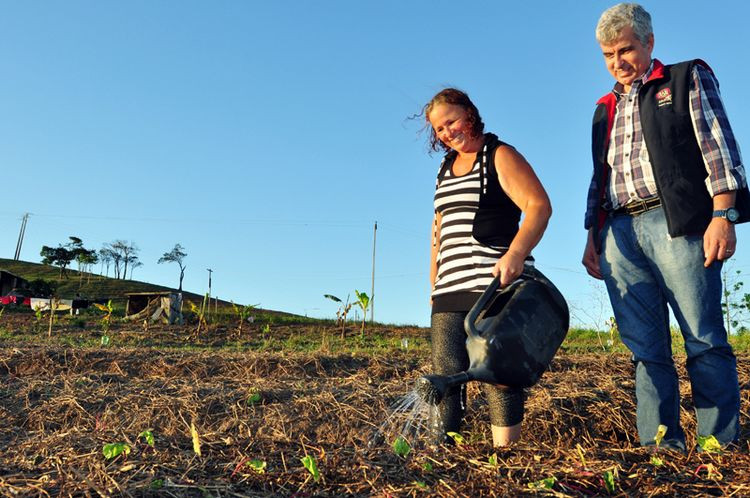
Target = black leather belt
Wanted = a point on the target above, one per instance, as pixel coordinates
(637, 207)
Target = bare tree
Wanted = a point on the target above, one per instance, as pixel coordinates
(176, 255)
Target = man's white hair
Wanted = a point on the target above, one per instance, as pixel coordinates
(622, 15)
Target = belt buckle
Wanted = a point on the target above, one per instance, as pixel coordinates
(639, 208)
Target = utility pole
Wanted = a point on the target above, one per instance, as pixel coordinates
(20, 237)
(208, 310)
(210, 271)
(372, 290)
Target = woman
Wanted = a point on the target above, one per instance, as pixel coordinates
(482, 188)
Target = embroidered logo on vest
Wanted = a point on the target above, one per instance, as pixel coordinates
(664, 97)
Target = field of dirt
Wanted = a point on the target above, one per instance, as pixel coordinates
(254, 416)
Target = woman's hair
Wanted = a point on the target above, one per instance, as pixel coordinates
(455, 97)
(622, 15)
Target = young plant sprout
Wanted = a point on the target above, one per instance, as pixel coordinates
(341, 313)
(363, 300)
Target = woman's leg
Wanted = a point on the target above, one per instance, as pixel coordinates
(506, 413)
(449, 356)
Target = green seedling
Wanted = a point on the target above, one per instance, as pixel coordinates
(243, 313)
(661, 431)
(113, 450)
(200, 313)
(341, 313)
(656, 461)
(427, 467)
(254, 398)
(266, 329)
(258, 466)
(363, 300)
(157, 484)
(401, 447)
(709, 444)
(106, 320)
(609, 481)
(312, 466)
(420, 484)
(104, 341)
(458, 438)
(492, 460)
(148, 436)
(547, 483)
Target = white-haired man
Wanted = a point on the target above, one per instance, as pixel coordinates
(667, 188)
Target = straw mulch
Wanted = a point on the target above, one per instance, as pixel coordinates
(60, 406)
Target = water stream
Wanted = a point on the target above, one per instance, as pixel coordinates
(409, 418)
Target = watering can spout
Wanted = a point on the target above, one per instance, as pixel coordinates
(432, 388)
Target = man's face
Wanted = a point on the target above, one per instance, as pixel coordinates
(627, 58)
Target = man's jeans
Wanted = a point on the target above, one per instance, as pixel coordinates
(645, 269)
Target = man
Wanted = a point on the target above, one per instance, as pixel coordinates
(667, 188)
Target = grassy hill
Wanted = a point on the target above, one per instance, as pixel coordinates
(93, 286)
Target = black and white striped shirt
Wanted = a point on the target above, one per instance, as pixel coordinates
(464, 264)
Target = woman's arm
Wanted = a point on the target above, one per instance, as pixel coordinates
(523, 187)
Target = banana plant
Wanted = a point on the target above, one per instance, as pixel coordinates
(341, 312)
(363, 300)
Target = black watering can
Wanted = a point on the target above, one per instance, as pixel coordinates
(512, 336)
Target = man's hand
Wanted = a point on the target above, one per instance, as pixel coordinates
(719, 241)
(591, 257)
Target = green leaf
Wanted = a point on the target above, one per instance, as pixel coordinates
(148, 436)
(157, 484)
(105, 340)
(253, 398)
(609, 481)
(421, 484)
(660, 433)
(492, 459)
(656, 461)
(547, 483)
(458, 438)
(709, 444)
(427, 467)
(332, 298)
(312, 466)
(258, 466)
(401, 447)
(114, 449)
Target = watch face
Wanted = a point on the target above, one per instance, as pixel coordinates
(733, 215)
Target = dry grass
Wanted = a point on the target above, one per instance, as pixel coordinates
(59, 407)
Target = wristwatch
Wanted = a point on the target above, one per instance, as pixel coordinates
(729, 214)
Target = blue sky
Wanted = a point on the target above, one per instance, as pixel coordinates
(268, 137)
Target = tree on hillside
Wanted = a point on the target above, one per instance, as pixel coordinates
(62, 255)
(176, 255)
(122, 253)
(86, 258)
(133, 265)
(105, 258)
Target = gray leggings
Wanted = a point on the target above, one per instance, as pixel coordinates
(449, 356)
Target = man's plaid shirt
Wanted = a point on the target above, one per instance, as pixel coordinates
(632, 177)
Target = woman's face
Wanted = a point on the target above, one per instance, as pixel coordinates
(452, 126)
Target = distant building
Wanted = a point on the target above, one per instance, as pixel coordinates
(152, 306)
